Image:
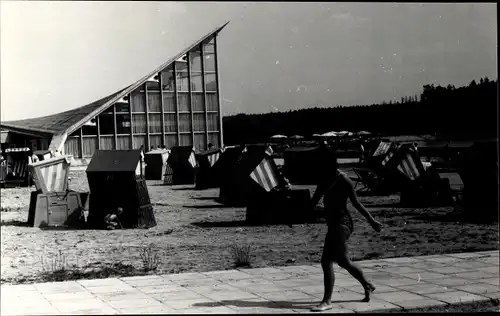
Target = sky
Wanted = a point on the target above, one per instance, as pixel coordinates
(273, 56)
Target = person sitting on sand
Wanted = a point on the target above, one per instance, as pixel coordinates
(336, 188)
(112, 221)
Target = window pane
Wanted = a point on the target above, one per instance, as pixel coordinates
(213, 122)
(197, 100)
(123, 124)
(212, 102)
(168, 80)
(199, 122)
(183, 102)
(184, 122)
(168, 102)
(211, 82)
(106, 124)
(182, 81)
(139, 123)
(209, 46)
(153, 85)
(196, 81)
(209, 61)
(90, 128)
(122, 107)
(181, 64)
(154, 102)
(195, 60)
(138, 102)
(155, 123)
(170, 123)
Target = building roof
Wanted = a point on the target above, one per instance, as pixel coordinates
(69, 121)
(60, 122)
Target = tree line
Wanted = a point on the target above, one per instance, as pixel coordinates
(467, 110)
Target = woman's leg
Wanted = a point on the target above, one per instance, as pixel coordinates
(353, 269)
(328, 276)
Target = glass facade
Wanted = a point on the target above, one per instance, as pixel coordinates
(177, 107)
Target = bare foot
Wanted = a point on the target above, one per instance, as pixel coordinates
(323, 306)
(368, 290)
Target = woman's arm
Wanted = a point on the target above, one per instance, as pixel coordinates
(361, 209)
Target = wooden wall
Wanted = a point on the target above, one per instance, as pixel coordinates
(181, 107)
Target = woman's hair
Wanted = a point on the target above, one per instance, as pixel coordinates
(329, 163)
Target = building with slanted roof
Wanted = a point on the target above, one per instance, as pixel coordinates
(177, 104)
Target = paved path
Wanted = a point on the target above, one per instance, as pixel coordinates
(402, 283)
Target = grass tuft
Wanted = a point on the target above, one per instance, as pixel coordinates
(241, 255)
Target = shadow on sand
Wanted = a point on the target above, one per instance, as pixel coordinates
(208, 206)
(15, 223)
(224, 224)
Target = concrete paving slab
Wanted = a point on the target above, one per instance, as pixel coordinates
(426, 288)
(158, 280)
(164, 288)
(111, 289)
(131, 303)
(139, 277)
(249, 282)
(380, 288)
(231, 275)
(424, 275)
(267, 288)
(373, 305)
(192, 303)
(495, 270)
(184, 276)
(278, 276)
(493, 281)
(198, 282)
(403, 260)
(287, 295)
(233, 295)
(292, 283)
(334, 310)
(260, 271)
(58, 287)
(474, 275)
(208, 310)
(479, 288)
(21, 296)
(492, 295)
(412, 304)
(313, 290)
(397, 296)
(400, 270)
(445, 259)
(455, 281)
(463, 254)
(10, 288)
(447, 270)
(85, 306)
(456, 297)
(213, 288)
(101, 282)
(34, 310)
(161, 309)
(120, 296)
(401, 281)
(68, 296)
(177, 295)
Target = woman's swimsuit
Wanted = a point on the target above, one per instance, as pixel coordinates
(339, 220)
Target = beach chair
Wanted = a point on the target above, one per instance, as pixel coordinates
(370, 181)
